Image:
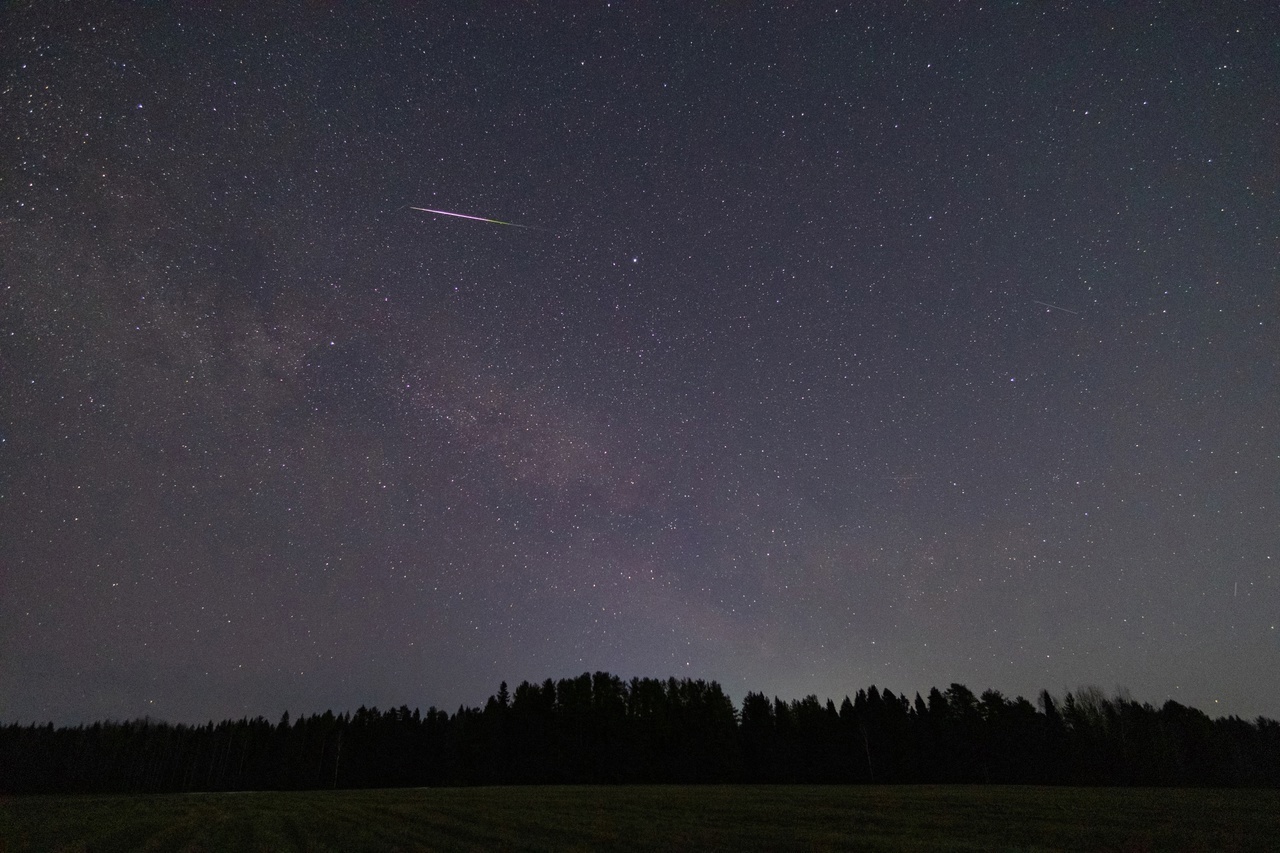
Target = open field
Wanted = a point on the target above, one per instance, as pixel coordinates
(740, 818)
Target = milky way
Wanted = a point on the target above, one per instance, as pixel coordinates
(898, 347)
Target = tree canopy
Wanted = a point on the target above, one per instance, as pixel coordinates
(598, 728)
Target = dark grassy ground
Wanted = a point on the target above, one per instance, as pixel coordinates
(653, 818)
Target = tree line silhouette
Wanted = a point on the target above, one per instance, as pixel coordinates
(601, 729)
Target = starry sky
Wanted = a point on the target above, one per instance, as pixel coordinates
(894, 344)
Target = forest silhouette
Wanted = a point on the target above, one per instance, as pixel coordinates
(599, 728)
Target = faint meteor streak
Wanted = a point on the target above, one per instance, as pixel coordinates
(476, 218)
(1055, 307)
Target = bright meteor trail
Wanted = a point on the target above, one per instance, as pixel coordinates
(476, 218)
(1055, 307)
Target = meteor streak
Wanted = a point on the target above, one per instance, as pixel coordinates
(476, 218)
(1055, 307)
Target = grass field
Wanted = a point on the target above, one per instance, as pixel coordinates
(652, 818)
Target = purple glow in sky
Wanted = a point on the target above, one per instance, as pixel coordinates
(875, 345)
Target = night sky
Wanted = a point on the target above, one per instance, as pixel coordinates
(894, 344)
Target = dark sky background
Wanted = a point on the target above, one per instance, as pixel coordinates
(859, 345)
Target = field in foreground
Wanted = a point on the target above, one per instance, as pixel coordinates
(738, 818)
